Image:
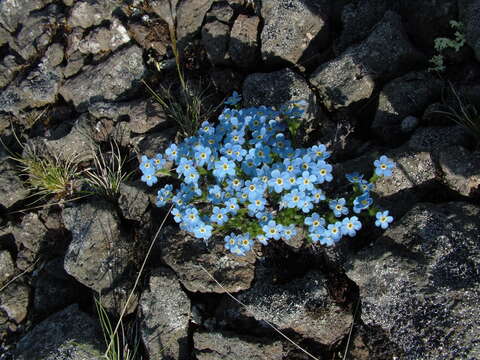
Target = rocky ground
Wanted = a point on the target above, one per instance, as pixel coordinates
(70, 81)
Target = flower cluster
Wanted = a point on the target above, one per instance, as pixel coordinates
(244, 179)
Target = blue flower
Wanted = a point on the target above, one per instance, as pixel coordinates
(172, 153)
(149, 179)
(294, 198)
(278, 181)
(203, 231)
(272, 230)
(219, 216)
(254, 189)
(192, 177)
(326, 239)
(206, 129)
(147, 166)
(350, 226)
(191, 217)
(383, 219)
(185, 166)
(365, 186)
(177, 215)
(256, 205)
(232, 205)
(354, 177)
(230, 241)
(234, 99)
(319, 152)
(262, 239)
(383, 166)
(362, 202)
(215, 194)
(315, 222)
(289, 232)
(159, 162)
(306, 204)
(323, 171)
(202, 154)
(306, 181)
(335, 230)
(338, 207)
(317, 195)
(223, 168)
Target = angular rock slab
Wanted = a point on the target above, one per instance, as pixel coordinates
(97, 255)
(302, 305)
(85, 14)
(351, 77)
(243, 41)
(165, 316)
(14, 301)
(227, 346)
(113, 79)
(69, 334)
(420, 282)
(293, 29)
(187, 255)
(461, 170)
(190, 15)
(11, 185)
(7, 267)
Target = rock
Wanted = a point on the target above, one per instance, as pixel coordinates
(425, 21)
(75, 63)
(190, 15)
(276, 89)
(5, 36)
(412, 278)
(152, 36)
(14, 12)
(461, 170)
(409, 124)
(133, 202)
(165, 315)
(8, 68)
(97, 256)
(228, 346)
(11, 185)
(215, 36)
(37, 33)
(54, 54)
(351, 77)
(87, 13)
(302, 305)
(154, 143)
(166, 13)
(243, 47)
(7, 267)
(142, 115)
(294, 30)
(435, 138)
(68, 334)
(113, 79)
(38, 89)
(14, 301)
(359, 18)
(469, 10)
(31, 239)
(102, 40)
(54, 289)
(226, 80)
(221, 11)
(407, 95)
(186, 255)
(78, 145)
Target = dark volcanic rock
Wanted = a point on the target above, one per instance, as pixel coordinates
(133, 202)
(14, 300)
(215, 37)
(349, 78)
(87, 13)
(31, 239)
(469, 10)
(228, 346)
(243, 47)
(69, 334)
(11, 185)
(190, 15)
(113, 79)
(420, 282)
(165, 315)
(436, 138)
(14, 12)
(294, 29)
(7, 267)
(102, 40)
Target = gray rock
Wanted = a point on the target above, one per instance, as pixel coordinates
(150, 37)
(69, 334)
(215, 36)
(351, 77)
(243, 46)
(54, 289)
(409, 124)
(133, 202)
(14, 301)
(87, 13)
(111, 80)
(102, 40)
(38, 89)
(221, 11)
(8, 68)
(359, 18)
(412, 278)
(30, 238)
(165, 315)
(14, 12)
(154, 143)
(469, 10)
(142, 115)
(407, 95)
(461, 170)
(166, 11)
(11, 185)
(54, 54)
(75, 63)
(5, 36)
(186, 255)
(301, 305)
(435, 138)
(37, 33)
(97, 255)
(7, 267)
(294, 29)
(228, 346)
(190, 15)
(276, 89)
